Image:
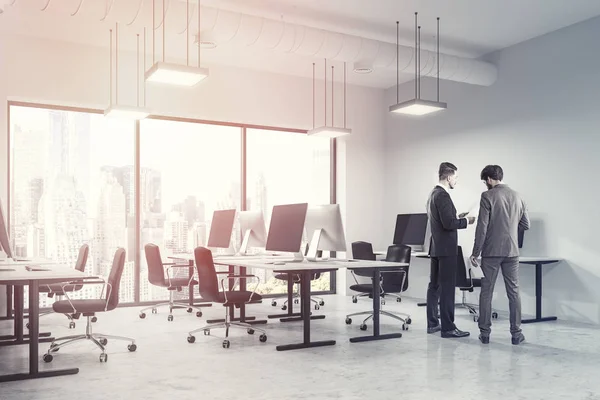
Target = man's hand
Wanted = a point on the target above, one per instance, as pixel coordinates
(474, 261)
(470, 220)
(462, 215)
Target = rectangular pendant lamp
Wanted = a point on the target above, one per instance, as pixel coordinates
(329, 131)
(418, 107)
(126, 112)
(175, 74)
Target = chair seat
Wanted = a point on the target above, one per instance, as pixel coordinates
(178, 283)
(57, 288)
(81, 306)
(238, 297)
(362, 288)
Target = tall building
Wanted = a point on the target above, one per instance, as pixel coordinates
(260, 195)
(176, 233)
(151, 191)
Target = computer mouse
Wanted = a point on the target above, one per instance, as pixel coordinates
(278, 263)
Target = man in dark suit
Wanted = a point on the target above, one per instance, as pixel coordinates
(443, 250)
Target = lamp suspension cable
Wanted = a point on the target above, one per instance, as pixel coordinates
(313, 95)
(111, 68)
(325, 86)
(416, 58)
(332, 91)
(144, 66)
(117, 63)
(153, 32)
(163, 30)
(397, 63)
(438, 59)
(138, 69)
(199, 39)
(344, 95)
(187, 32)
(419, 92)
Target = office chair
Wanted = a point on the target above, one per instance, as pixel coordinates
(466, 283)
(318, 301)
(209, 290)
(108, 301)
(395, 281)
(362, 251)
(156, 276)
(58, 290)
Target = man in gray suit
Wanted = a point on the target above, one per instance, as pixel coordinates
(502, 214)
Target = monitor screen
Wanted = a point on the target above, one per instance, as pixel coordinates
(286, 228)
(4, 239)
(221, 228)
(410, 229)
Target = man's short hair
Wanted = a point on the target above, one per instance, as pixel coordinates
(493, 172)
(446, 169)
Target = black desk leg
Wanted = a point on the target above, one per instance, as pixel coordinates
(18, 337)
(538, 299)
(291, 316)
(34, 330)
(376, 316)
(305, 310)
(9, 304)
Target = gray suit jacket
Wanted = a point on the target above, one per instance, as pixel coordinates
(501, 214)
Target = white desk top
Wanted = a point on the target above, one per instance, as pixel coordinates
(55, 273)
(29, 261)
(331, 264)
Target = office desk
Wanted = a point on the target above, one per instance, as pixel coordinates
(306, 269)
(19, 278)
(539, 262)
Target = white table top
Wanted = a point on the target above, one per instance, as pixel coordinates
(26, 261)
(331, 264)
(54, 273)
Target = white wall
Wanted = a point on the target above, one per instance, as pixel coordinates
(540, 122)
(70, 74)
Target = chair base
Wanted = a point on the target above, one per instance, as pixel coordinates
(316, 300)
(99, 339)
(227, 324)
(172, 305)
(473, 309)
(402, 317)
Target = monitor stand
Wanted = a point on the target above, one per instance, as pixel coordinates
(244, 247)
(298, 257)
(313, 247)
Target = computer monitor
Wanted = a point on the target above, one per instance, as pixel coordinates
(221, 228)
(252, 226)
(4, 238)
(325, 229)
(285, 230)
(410, 229)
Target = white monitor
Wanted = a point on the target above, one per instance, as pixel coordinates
(4, 238)
(252, 226)
(325, 230)
(285, 230)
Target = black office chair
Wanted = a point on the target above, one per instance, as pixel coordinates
(156, 276)
(58, 289)
(318, 301)
(209, 290)
(362, 251)
(108, 301)
(391, 282)
(466, 283)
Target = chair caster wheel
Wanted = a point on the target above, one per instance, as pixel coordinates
(198, 314)
(94, 319)
(404, 327)
(103, 357)
(250, 331)
(398, 300)
(132, 347)
(170, 318)
(284, 307)
(191, 339)
(354, 300)
(475, 319)
(206, 333)
(495, 315)
(274, 303)
(226, 344)
(154, 311)
(408, 321)
(142, 315)
(71, 325)
(317, 307)
(47, 358)
(363, 327)
(348, 321)
(321, 303)
(190, 310)
(103, 341)
(263, 338)
(383, 302)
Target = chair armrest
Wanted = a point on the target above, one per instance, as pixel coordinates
(237, 278)
(177, 266)
(90, 281)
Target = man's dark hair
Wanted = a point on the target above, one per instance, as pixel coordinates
(446, 169)
(493, 172)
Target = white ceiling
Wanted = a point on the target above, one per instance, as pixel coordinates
(469, 28)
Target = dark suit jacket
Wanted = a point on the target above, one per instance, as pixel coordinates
(443, 224)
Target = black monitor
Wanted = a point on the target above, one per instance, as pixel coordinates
(286, 228)
(221, 228)
(521, 235)
(4, 238)
(410, 229)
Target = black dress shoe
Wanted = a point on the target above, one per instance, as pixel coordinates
(484, 339)
(516, 340)
(434, 329)
(456, 333)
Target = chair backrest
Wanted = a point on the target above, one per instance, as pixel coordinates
(82, 258)
(156, 271)
(114, 279)
(362, 251)
(208, 285)
(463, 278)
(397, 282)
